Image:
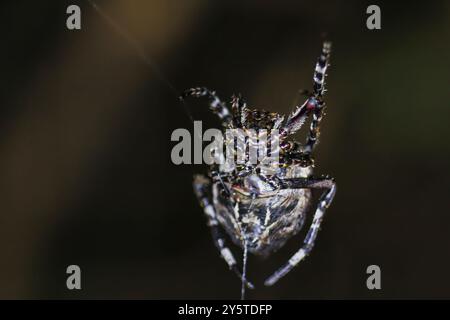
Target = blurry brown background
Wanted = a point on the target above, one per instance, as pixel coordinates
(85, 124)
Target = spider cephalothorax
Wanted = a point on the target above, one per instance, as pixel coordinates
(262, 205)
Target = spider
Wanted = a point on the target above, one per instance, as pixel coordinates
(261, 209)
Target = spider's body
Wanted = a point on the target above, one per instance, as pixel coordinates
(262, 205)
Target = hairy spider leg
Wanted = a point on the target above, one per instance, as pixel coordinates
(240, 111)
(319, 89)
(321, 68)
(215, 104)
(314, 104)
(325, 200)
(296, 119)
(201, 186)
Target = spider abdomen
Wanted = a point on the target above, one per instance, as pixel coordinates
(265, 223)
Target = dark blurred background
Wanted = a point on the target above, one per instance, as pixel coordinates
(85, 125)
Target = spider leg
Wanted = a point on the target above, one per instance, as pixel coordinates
(240, 111)
(201, 187)
(314, 103)
(314, 128)
(295, 120)
(324, 202)
(319, 89)
(215, 104)
(321, 68)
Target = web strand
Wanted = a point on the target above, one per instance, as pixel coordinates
(140, 52)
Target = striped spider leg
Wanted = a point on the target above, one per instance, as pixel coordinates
(202, 186)
(215, 104)
(325, 200)
(314, 104)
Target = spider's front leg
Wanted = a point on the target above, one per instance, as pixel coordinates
(313, 105)
(319, 89)
(324, 202)
(240, 111)
(201, 186)
(215, 104)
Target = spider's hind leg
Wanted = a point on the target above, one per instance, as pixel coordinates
(201, 186)
(324, 202)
